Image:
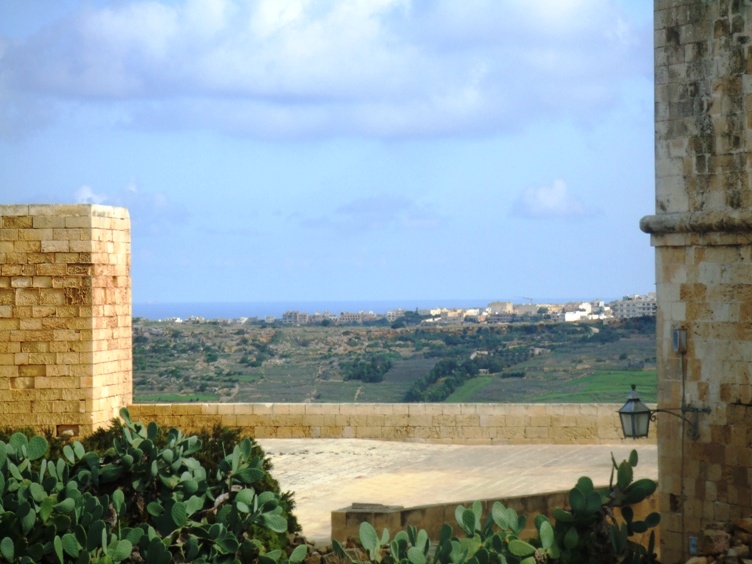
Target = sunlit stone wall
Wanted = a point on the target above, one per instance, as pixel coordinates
(702, 234)
(449, 423)
(65, 316)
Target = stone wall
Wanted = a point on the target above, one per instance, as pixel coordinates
(505, 423)
(65, 315)
(702, 233)
(346, 522)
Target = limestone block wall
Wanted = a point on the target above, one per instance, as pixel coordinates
(346, 522)
(65, 315)
(439, 423)
(702, 233)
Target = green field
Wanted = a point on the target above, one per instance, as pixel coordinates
(470, 389)
(534, 362)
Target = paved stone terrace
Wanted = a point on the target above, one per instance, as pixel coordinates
(330, 474)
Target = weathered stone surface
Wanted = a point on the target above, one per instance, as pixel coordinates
(702, 232)
(714, 541)
(50, 308)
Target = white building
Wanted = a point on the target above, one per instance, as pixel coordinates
(635, 306)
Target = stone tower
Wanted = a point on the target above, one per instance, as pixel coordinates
(702, 234)
(65, 316)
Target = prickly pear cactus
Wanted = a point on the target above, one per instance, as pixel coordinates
(141, 501)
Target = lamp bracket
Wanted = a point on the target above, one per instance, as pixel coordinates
(694, 431)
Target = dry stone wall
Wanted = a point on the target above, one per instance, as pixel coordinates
(450, 423)
(702, 233)
(65, 316)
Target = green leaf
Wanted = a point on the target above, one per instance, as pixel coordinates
(242, 507)
(422, 542)
(6, 549)
(68, 453)
(246, 447)
(653, 520)
(384, 537)
(18, 441)
(191, 548)
(415, 555)
(368, 537)
(28, 520)
(15, 472)
(593, 502)
(45, 508)
(249, 475)
(194, 504)
(339, 550)
(37, 492)
(585, 484)
(79, 449)
(299, 554)
(521, 548)
(179, 514)
(627, 513)
(499, 515)
(468, 522)
(66, 506)
(190, 487)
(246, 496)
(37, 447)
(57, 543)
(546, 535)
(624, 475)
(3, 454)
(633, 458)
(94, 535)
(571, 538)
(71, 546)
(562, 516)
(119, 550)
(118, 499)
(228, 545)
(577, 500)
(170, 482)
(126, 416)
(276, 523)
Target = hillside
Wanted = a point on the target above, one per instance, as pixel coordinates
(223, 361)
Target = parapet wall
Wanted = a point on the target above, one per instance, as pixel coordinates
(458, 423)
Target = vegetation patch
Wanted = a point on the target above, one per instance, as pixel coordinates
(147, 498)
(543, 361)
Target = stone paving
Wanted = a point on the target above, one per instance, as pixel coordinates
(330, 474)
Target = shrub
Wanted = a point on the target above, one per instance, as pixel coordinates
(148, 498)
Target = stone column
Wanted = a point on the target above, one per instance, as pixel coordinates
(702, 234)
(65, 316)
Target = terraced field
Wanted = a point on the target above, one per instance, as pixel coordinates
(221, 361)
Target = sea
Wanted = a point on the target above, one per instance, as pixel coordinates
(262, 310)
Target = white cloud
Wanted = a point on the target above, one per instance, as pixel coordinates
(549, 202)
(391, 68)
(85, 195)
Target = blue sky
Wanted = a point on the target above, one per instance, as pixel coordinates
(273, 150)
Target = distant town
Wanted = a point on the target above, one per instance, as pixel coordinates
(495, 312)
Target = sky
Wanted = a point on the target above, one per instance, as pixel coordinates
(279, 150)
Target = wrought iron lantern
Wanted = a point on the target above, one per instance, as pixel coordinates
(636, 417)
